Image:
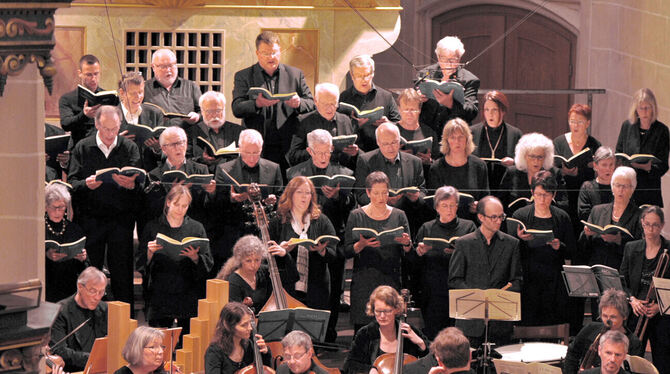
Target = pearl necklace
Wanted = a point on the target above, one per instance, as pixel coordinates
(51, 230)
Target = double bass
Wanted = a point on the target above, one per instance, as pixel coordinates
(257, 367)
(392, 363)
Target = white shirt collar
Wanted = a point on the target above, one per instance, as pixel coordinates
(105, 150)
(131, 117)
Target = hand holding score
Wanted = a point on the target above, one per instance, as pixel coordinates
(293, 102)
(363, 242)
(191, 253)
(91, 183)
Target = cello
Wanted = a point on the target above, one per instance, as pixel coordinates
(392, 363)
(280, 299)
(257, 367)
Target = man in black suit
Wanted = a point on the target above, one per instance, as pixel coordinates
(226, 203)
(486, 258)
(449, 51)
(449, 354)
(79, 121)
(275, 119)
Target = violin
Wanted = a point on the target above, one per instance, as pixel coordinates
(52, 360)
(392, 363)
(257, 367)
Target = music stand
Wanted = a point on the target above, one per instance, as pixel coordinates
(580, 281)
(274, 325)
(662, 287)
(170, 340)
(491, 304)
(97, 359)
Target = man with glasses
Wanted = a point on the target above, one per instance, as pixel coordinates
(325, 117)
(171, 93)
(214, 128)
(486, 258)
(79, 121)
(449, 51)
(276, 120)
(298, 354)
(364, 95)
(84, 309)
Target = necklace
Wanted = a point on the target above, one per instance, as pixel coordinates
(51, 230)
(493, 149)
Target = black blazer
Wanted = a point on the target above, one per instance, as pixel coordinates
(290, 79)
(631, 266)
(412, 172)
(231, 133)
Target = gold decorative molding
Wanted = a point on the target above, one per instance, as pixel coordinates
(17, 27)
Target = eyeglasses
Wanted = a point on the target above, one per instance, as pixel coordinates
(544, 195)
(448, 60)
(501, 217)
(576, 122)
(94, 292)
(393, 143)
(180, 143)
(447, 206)
(212, 112)
(57, 208)
(536, 157)
(296, 356)
(322, 154)
(623, 186)
(156, 348)
(166, 66)
(363, 77)
(654, 226)
(379, 312)
(412, 111)
(269, 55)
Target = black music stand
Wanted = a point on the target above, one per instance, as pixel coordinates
(590, 281)
(274, 325)
(662, 287)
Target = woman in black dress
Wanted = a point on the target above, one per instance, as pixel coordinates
(144, 351)
(431, 265)
(643, 133)
(61, 275)
(599, 190)
(495, 139)
(174, 286)
(231, 348)
(640, 260)
(409, 104)
(459, 167)
(299, 216)
(248, 276)
(380, 336)
(374, 264)
(544, 299)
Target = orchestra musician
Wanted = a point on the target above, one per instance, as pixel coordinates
(298, 354)
(612, 349)
(431, 265)
(495, 138)
(614, 312)
(374, 264)
(248, 277)
(639, 264)
(599, 190)
(144, 351)
(84, 306)
(643, 133)
(299, 216)
(174, 286)
(231, 348)
(73, 118)
(61, 275)
(449, 354)
(544, 300)
(380, 336)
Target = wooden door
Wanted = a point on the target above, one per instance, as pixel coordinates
(539, 54)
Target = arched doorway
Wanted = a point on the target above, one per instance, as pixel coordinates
(539, 54)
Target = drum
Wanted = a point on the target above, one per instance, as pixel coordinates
(549, 353)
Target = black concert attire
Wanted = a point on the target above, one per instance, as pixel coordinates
(313, 369)
(497, 143)
(226, 135)
(72, 117)
(637, 271)
(218, 362)
(580, 345)
(149, 116)
(182, 98)
(61, 276)
(373, 266)
(432, 268)
(317, 281)
(54, 170)
(377, 96)
(108, 213)
(544, 300)
(654, 141)
(339, 125)
(437, 115)
(598, 370)
(478, 264)
(591, 194)
(423, 132)
(471, 178)
(515, 185)
(277, 123)
(76, 348)
(365, 348)
(240, 289)
(174, 287)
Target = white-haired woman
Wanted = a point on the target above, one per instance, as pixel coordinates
(643, 133)
(607, 249)
(60, 274)
(533, 152)
(144, 351)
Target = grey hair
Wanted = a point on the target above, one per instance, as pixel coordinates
(616, 299)
(215, 95)
(297, 338)
(387, 126)
(89, 274)
(450, 44)
(107, 110)
(245, 246)
(133, 351)
(319, 136)
(531, 141)
(326, 87)
(444, 193)
(361, 61)
(603, 153)
(250, 136)
(56, 192)
(171, 131)
(616, 337)
(626, 172)
(160, 52)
